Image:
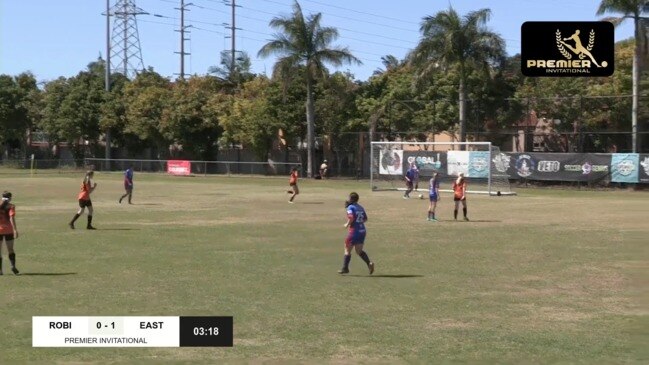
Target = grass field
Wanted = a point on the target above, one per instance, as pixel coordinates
(544, 277)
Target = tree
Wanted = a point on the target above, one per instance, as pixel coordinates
(305, 42)
(451, 42)
(630, 9)
(19, 97)
(237, 75)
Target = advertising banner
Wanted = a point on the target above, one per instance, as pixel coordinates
(178, 167)
(643, 170)
(478, 164)
(624, 167)
(391, 162)
(457, 162)
(427, 161)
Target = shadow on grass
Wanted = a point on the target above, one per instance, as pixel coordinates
(117, 229)
(311, 202)
(473, 221)
(386, 276)
(145, 204)
(47, 273)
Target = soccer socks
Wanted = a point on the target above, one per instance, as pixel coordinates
(346, 261)
(455, 214)
(464, 211)
(12, 259)
(89, 221)
(364, 256)
(76, 216)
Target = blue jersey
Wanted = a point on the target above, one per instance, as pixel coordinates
(128, 177)
(411, 174)
(433, 186)
(358, 216)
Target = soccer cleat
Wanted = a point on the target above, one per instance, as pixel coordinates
(371, 267)
(290, 202)
(466, 219)
(15, 271)
(434, 220)
(343, 271)
(71, 225)
(90, 227)
(120, 200)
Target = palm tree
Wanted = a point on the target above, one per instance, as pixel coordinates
(630, 9)
(449, 41)
(241, 71)
(303, 42)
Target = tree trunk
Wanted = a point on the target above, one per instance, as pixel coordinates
(310, 124)
(462, 92)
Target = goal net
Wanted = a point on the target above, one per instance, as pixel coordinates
(484, 166)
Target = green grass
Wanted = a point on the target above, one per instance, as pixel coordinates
(544, 277)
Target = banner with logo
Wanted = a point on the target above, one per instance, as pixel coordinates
(584, 166)
(478, 164)
(391, 162)
(643, 169)
(553, 166)
(427, 161)
(624, 167)
(178, 167)
(457, 162)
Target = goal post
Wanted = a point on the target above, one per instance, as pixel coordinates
(481, 162)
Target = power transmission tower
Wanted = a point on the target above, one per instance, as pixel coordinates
(233, 28)
(125, 50)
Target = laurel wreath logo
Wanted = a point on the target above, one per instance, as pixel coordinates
(591, 43)
(563, 51)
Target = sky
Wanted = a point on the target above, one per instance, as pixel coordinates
(59, 38)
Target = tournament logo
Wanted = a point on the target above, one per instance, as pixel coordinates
(548, 166)
(567, 49)
(525, 165)
(501, 162)
(625, 167)
(586, 168)
(479, 164)
(645, 165)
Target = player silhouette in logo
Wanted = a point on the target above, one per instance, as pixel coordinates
(578, 48)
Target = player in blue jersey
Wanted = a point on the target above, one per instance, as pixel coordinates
(412, 177)
(434, 197)
(128, 184)
(356, 218)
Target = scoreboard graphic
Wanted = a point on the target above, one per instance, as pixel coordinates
(77, 331)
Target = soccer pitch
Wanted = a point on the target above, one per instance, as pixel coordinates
(547, 276)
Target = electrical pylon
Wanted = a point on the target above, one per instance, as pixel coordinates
(125, 50)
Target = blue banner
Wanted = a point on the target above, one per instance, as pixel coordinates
(478, 164)
(624, 167)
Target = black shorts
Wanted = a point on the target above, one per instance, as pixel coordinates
(409, 184)
(7, 237)
(457, 199)
(85, 203)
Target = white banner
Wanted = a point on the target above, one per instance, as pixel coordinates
(391, 162)
(457, 162)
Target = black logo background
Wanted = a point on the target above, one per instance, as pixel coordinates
(538, 42)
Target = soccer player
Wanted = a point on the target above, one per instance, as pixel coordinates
(410, 177)
(128, 184)
(87, 187)
(292, 182)
(323, 170)
(459, 195)
(434, 197)
(356, 218)
(8, 230)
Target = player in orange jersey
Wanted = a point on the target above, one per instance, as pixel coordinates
(87, 187)
(459, 195)
(8, 230)
(292, 182)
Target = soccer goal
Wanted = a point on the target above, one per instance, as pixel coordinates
(482, 164)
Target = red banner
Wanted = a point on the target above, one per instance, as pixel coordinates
(177, 167)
